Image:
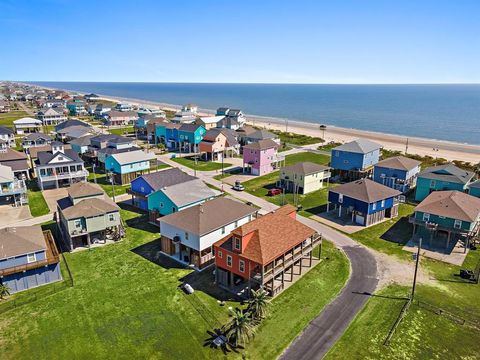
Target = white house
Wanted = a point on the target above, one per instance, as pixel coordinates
(27, 125)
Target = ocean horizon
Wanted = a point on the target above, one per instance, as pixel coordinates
(444, 112)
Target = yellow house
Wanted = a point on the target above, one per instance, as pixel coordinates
(304, 177)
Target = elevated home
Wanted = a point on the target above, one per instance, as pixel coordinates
(355, 160)
(261, 158)
(101, 109)
(168, 191)
(81, 145)
(87, 216)
(399, 173)
(151, 128)
(33, 152)
(364, 201)
(474, 188)
(126, 166)
(151, 111)
(248, 135)
(167, 134)
(187, 115)
(184, 137)
(442, 177)
(27, 125)
(77, 107)
(304, 177)
(218, 143)
(188, 235)
(445, 217)
(266, 252)
(103, 154)
(59, 167)
(51, 116)
(209, 122)
(4, 106)
(28, 258)
(119, 118)
(15, 160)
(143, 120)
(74, 132)
(123, 107)
(70, 123)
(232, 118)
(12, 190)
(104, 145)
(54, 103)
(7, 136)
(36, 140)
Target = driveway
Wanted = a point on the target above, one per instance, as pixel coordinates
(51, 196)
(12, 215)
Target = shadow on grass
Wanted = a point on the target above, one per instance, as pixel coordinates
(317, 209)
(151, 252)
(400, 233)
(366, 293)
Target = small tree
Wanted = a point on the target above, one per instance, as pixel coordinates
(259, 304)
(4, 291)
(240, 329)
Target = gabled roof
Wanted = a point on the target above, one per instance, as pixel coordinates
(211, 119)
(77, 131)
(12, 154)
(21, 240)
(362, 146)
(452, 204)
(83, 140)
(82, 189)
(121, 114)
(51, 111)
(27, 120)
(69, 123)
(262, 145)
(37, 136)
(262, 134)
(447, 172)
(365, 190)
(34, 151)
(132, 157)
(189, 127)
(45, 157)
(164, 178)
(273, 234)
(5, 130)
(399, 163)
(209, 216)
(87, 208)
(305, 168)
(189, 192)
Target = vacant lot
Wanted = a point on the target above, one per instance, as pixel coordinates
(201, 165)
(7, 119)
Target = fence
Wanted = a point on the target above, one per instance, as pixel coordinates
(471, 321)
(207, 315)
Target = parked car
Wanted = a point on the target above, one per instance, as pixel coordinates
(238, 186)
(274, 191)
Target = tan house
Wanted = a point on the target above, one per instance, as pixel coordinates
(218, 143)
(304, 177)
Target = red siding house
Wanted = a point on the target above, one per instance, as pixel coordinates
(266, 252)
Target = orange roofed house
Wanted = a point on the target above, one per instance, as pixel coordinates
(266, 252)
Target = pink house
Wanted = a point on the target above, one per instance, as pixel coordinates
(261, 158)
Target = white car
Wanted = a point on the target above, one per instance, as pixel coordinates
(238, 186)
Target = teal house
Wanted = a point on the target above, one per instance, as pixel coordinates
(185, 137)
(127, 166)
(474, 189)
(444, 218)
(442, 177)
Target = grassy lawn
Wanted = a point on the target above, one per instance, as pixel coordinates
(201, 165)
(122, 131)
(6, 119)
(296, 139)
(311, 203)
(126, 306)
(37, 203)
(421, 335)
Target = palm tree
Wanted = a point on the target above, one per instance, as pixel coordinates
(323, 128)
(4, 291)
(240, 329)
(259, 304)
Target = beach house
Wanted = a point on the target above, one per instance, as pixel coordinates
(119, 118)
(87, 216)
(101, 109)
(261, 158)
(304, 177)
(7, 136)
(269, 252)
(363, 202)
(36, 140)
(51, 116)
(27, 125)
(59, 167)
(249, 134)
(397, 172)
(355, 160)
(168, 191)
(15, 160)
(232, 118)
(126, 166)
(182, 137)
(187, 115)
(442, 177)
(445, 217)
(218, 143)
(474, 188)
(77, 107)
(28, 258)
(209, 122)
(188, 235)
(123, 107)
(12, 189)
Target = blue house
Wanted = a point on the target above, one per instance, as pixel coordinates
(168, 191)
(474, 189)
(443, 177)
(126, 166)
(184, 137)
(28, 258)
(363, 202)
(399, 173)
(355, 160)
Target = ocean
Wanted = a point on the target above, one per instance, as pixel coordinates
(443, 112)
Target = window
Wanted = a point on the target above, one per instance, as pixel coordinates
(236, 223)
(31, 258)
(241, 266)
(457, 224)
(131, 166)
(374, 206)
(229, 261)
(340, 198)
(173, 209)
(60, 158)
(111, 217)
(186, 235)
(337, 153)
(220, 254)
(161, 205)
(236, 241)
(142, 189)
(426, 217)
(223, 230)
(383, 204)
(432, 184)
(78, 223)
(345, 161)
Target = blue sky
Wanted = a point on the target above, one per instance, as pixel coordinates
(361, 41)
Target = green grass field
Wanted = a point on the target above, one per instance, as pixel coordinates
(296, 139)
(201, 165)
(7, 119)
(122, 131)
(312, 203)
(125, 306)
(36, 202)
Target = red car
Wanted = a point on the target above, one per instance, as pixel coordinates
(273, 192)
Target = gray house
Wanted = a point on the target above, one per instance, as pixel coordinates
(87, 216)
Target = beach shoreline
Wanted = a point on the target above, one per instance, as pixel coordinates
(449, 150)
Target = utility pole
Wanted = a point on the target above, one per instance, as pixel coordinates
(416, 268)
(195, 160)
(113, 185)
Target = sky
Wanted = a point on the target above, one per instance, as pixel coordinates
(243, 41)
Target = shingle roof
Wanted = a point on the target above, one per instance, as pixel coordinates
(5, 131)
(34, 151)
(133, 157)
(362, 146)
(21, 240)
(82, 189)
(27, 120)
(83, 140)
(447, 172)
(17, 165)
(305, 168)
(262, 145)
(189, 127)
(36, 136)
(273, 235)
(112, 150)
(452, 204)
(88, 208)
(399, 162)
(70, 123)
(262, 134)
(366, 190)
(209, 216)
(167, 177)
(44, 157)
(12, 154)
(189, 192)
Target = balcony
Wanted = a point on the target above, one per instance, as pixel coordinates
(17, 187)
(67, 175)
